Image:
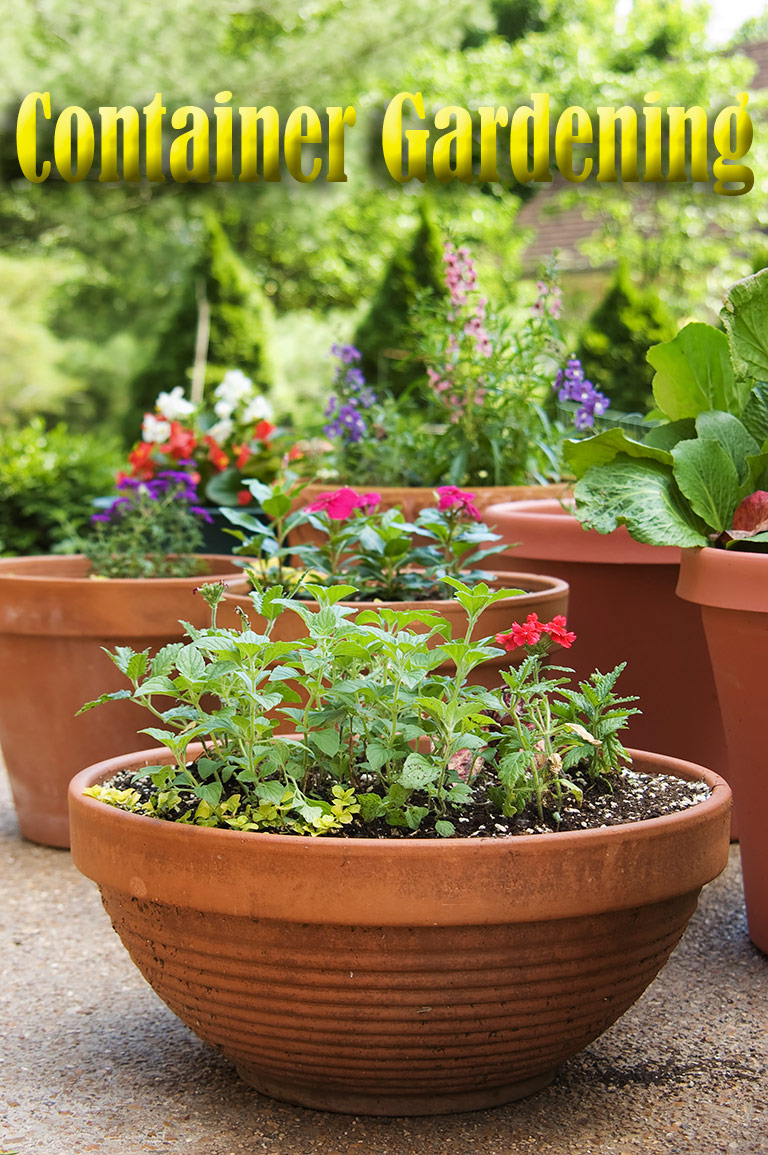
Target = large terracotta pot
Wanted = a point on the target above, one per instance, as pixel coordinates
(412, 499)
(732, 590)
(54, 620)
(403, 976)
(544, 595)
(623, 608)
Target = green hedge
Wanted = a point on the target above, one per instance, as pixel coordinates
(48, 479)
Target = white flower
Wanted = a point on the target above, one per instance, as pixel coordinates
(222, 430)
(224, 408)
(234, 388)
(174, 405)
(258, 409)
(155, 429)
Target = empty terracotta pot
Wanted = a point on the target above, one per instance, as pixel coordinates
(543, 595)
(402, 976)
(732, 590)
(54, 620)
(623, 608)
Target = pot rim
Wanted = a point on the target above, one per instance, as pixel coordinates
(13, 568)
(461, 881)
(724, 578)
(546, 529)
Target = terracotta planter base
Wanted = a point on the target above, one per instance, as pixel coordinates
(307, 1095)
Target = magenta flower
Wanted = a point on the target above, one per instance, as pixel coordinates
(450, 495)
(342, 503)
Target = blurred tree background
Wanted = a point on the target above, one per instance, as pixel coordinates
(99, 283)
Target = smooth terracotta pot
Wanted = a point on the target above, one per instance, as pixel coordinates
(412, 499)
(544, 595)
(732, 590)
(623, 608)
(54, 620)
(403, 976)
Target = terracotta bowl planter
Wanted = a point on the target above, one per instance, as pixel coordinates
(54, 621)
(544, 595)
(732, 590)
(623, 608)
(399, 977)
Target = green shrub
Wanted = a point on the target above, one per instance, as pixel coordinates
(618, 335)
(48, 480)
(240, 327)
(389, 333)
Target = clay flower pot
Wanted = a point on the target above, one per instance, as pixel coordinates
(54, 620)
(732, 590)
(623, 608)
(403, 976)
(544, 595)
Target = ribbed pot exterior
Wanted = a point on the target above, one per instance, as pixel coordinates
(623, 608)
(54, 621)
(732, 590)
(399, 977)
(541, 594)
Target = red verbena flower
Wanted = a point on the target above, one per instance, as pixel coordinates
(558, 632)
(216, 454)
(263, 430)
(141, 461)
(527, 633)
(243, 453)
(243, 497)
(450, 495)
(181, 442)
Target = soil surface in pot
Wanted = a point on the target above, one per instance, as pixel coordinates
(631, 796)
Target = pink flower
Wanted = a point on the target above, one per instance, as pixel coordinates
(450, 495)
(342, 503)
(527, 633)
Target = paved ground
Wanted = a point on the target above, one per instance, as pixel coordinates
(91, 1060)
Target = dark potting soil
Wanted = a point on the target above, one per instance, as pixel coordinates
(631, 796)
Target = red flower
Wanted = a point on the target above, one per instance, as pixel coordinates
(526, 634)
(751, 514)
(263, 431)
(294, 453)
(141, 461)
(243, 453)
(181, 443)
(243, 497)
(216, 454)
(340, 504)
(558, 633)
(451, 495)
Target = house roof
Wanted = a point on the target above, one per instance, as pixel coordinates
(563, 229)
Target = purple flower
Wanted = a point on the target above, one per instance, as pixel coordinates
(330, 408)
(571, 385)
(348, 354)
(199, 511)
(355, 378)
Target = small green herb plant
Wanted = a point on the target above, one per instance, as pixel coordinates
(700, 476)
(376, 734)
(150, 531)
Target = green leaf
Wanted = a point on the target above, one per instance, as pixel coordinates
(579, 456)
(745, 317)
(667, 435)
(694, 373)
(163, 736)
(137, 666)
(121, 656)
(755, 415)
(707, 476)
(161, 685)
(371, 806)
(418, 771)
(729, 432)
(445, 828)
(327, 741)
(165, 659)
(115, 696)
(642, 495)
(223, 488)
(190, 663)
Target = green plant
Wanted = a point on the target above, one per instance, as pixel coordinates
(378, 551)
(700, 476)
(150, 531)
(48, 481)
(613, 345)
(380, 737)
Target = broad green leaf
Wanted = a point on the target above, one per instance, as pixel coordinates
(165, 659)
(418, 771)
(327, 741)
(121, 656)
(137, 666)
(729, 432)
(745, 317)
(580, 456)
(157, 685)
(223, 488)
(707, 476)
(161, 735)
(667, 435)
(642, 495)
(190, 663)
(755, 415)
(445, 828)
(694, 373)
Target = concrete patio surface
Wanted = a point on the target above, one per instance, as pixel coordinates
(92, 1061)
